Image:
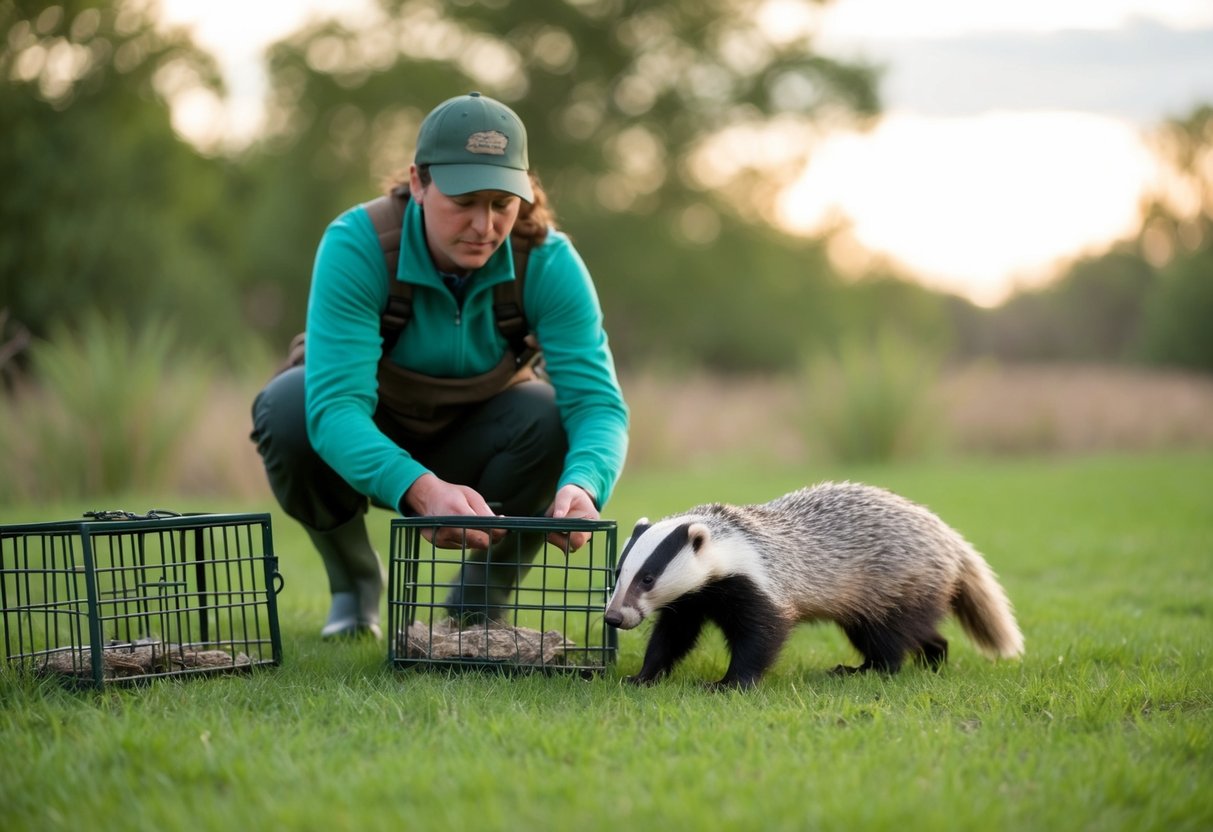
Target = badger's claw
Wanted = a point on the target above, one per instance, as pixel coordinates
(731, 684)
(844, 670)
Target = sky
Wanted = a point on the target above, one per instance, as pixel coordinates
(1014, 135)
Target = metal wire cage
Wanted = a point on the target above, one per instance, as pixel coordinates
(122, 597)
(552, 620)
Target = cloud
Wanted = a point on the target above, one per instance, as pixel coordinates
(1144, 72)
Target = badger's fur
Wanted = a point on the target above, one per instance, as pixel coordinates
(884, 569)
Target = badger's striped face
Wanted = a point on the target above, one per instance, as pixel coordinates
(660, 563)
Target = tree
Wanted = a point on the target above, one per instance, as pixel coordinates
(1177, 236)
(1176, 327)
(104, 206)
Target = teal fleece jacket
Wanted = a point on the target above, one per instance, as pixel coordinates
(348, 293)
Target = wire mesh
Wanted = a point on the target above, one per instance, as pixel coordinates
(441, 615)
(126, 598)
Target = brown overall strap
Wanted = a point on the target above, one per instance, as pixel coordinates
(507, 305)
(387, 216)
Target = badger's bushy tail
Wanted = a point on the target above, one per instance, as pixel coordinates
(983, 610)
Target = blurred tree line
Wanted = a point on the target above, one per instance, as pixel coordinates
(1148, 299)
(655, 128)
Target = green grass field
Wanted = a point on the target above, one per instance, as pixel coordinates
(1106, 724)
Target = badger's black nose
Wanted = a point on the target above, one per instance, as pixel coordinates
(613, 618)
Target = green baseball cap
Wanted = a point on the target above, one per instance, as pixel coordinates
(474, 143)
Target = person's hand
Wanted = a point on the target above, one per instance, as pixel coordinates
(430, 496)
(572, 501)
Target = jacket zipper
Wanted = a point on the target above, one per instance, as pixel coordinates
(459, 357)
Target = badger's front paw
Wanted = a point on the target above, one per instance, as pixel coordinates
(845, 670)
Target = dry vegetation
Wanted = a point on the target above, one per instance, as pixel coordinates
(1076, 409)
(981, 409)
(220, 458)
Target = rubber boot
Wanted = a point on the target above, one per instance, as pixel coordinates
(483, 589)
(356, 579)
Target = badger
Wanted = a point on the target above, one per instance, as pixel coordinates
(883, 568)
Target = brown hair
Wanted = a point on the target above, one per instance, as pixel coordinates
(535, 218)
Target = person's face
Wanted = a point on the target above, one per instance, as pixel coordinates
(463, 231)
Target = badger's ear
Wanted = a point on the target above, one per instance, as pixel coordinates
(641, 527)
(698, 535)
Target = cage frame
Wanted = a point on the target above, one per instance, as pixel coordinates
(404, 585)
(91, 563)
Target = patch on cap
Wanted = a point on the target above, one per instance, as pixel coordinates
(489, 142)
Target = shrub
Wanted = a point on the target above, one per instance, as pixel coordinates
(105, 410)
(871, 400)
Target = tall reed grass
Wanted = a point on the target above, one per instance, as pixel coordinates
(107, 408)
(871, 400)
